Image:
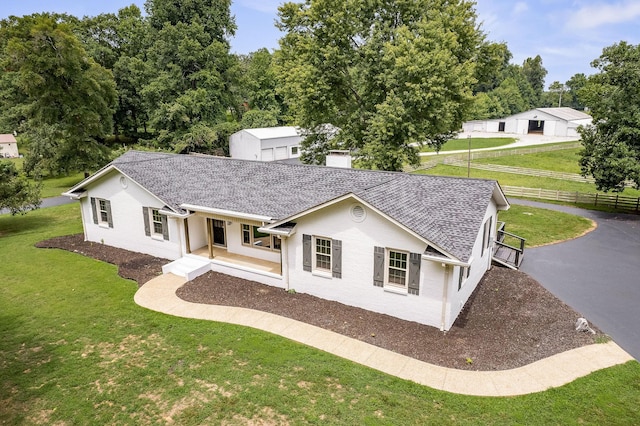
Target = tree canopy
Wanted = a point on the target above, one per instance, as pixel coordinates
(611, 151)
(16, 193)
(64, 98)
(388, 74)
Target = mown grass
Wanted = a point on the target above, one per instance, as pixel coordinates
(542, 226)
(565, 160)
(511, 179)
(476, 143)
(54, 186)
(75, 349)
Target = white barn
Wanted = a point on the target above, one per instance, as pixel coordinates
(411, 246)
(561, 122)
(265, 144)
(8, 146)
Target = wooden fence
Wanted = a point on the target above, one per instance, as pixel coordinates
(617, 202)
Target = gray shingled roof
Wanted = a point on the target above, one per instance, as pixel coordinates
(446, 211)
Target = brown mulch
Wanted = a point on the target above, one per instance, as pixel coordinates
(510, 320)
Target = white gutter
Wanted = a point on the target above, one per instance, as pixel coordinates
(279, 232)
(222, 212)
(446, 261)
(74, 196)
(174, 214)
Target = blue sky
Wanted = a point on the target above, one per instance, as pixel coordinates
(567, 34)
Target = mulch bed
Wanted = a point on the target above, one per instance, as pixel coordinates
(509, 321)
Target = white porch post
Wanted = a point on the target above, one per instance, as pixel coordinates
(284, 261)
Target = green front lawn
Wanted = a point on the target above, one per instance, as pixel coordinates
(542, 226)
(75, 349)
(565, 160)
(476, 143)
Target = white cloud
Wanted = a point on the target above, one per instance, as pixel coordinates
(520, 7)
(266, 6)
(593, 16)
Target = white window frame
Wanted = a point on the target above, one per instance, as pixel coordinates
(328, 253)
(103, 213)
(246, 228)
(388, 268)
(155, 220)
(295, 151)
(463, 276)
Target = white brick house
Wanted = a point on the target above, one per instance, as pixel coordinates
(411, 246)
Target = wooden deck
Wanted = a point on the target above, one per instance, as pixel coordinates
(221, 254)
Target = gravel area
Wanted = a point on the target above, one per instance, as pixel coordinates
(509, 321)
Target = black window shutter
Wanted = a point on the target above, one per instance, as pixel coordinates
(484, 239)
(378, 266)
(165, 227)
(336, 258)
(306, 252)
(109, 217)
(489, 231)
(147, 228)
(414, 273)
(94, 210)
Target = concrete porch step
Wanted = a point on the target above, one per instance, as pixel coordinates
(187, 267)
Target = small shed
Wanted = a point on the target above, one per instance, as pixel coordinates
(266, 144)
(8, 146)
(561, 122)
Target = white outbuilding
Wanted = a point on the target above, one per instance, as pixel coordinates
(8, 146)
(266, 144)
(561, 122)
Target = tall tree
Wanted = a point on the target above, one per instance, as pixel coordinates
(535, 73)
(388, 74)
(574, 85)
(68, 98)
(258, 84)
(611, 151)
(559, 90)
(192, 70)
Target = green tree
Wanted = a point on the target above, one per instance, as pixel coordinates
(388, 74)
(258, 85)
(611, 151)
(255, 118)
(535, 73)
(67, 98)
(574, 85)
(191, 71)
(559, 90)
(16, 193)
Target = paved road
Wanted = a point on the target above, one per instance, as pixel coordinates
(598, 274)
(49, 202)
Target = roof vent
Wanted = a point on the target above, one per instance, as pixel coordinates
(358, 213)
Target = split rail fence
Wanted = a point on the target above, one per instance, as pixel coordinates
(617, 202)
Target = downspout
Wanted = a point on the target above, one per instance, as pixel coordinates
(445, 292)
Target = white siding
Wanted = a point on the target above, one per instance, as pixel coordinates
(128, 220)
(356, 287)
(244, 146)
(266, 154)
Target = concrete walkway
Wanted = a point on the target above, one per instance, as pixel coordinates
(159, 295)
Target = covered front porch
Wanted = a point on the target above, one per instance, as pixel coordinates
(220, 254)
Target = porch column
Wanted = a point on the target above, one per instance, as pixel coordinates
(284, 261)
(210, 238)
(186, 236)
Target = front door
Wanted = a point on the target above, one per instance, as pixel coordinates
(219, 233)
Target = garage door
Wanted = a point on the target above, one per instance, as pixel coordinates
(267, 154)
(281, 153)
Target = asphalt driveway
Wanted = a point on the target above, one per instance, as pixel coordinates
(598, 274)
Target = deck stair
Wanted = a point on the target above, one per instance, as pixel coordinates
(187, 267)
(508, 249)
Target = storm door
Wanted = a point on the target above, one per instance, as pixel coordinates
(219, 233)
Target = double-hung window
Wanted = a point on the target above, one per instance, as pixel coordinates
(322, 257)
(397, 269)
(101, 211)
(155, 223)
(463, 274)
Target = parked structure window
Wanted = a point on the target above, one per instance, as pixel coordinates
(251, 236)
(397, 268)
(322, 258)
(294, 150)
